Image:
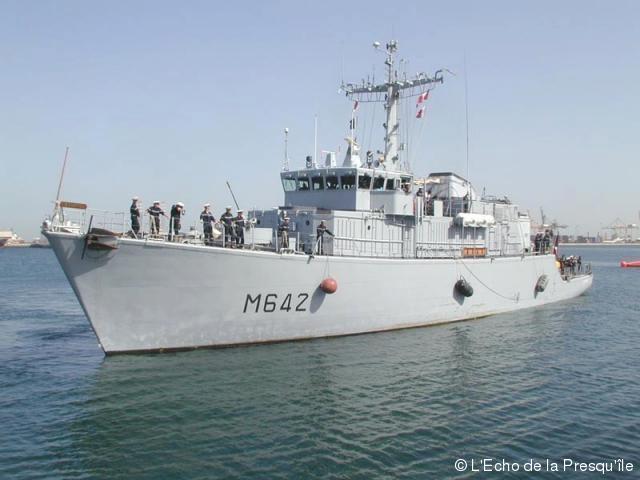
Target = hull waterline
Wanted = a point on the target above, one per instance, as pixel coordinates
(154, 296)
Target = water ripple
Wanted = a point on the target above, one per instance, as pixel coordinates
(560, 381)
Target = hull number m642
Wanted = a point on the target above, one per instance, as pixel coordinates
(271, 302)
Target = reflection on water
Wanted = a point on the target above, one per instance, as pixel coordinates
(559, 381)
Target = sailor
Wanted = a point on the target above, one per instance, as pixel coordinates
(240, 224)
(154, 215)
(428, 203)
(208, 220)
(546, 241)
(134, 210)
(177, 211)
(227, 222)
(537, 242)
(320, 231)
(283, 231)
(420, 192)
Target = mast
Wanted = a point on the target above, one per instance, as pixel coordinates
(391, 106)
(393, 89)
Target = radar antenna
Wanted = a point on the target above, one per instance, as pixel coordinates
(390, 93)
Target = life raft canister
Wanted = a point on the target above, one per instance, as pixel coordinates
(542, 283)
(464, 288)
(329, 285)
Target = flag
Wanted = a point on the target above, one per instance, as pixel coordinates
(423, 97)
(420, 112)
(356, 105)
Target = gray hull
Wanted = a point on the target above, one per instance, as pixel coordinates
(153, 296)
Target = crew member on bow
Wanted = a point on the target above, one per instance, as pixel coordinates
(320, 231)
(177, 211)
(207, 224)
(227, 222)
(134, 210)
(240, 224)
(154, 212)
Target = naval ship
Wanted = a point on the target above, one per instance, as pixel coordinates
(400, 252)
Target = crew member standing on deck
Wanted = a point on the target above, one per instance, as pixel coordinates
(537, 243)
(134, 210)
(546, 241)
(283, 230)
(207, 224)
(154, 215)
(227, 223)
(177, 211)
(241, 224)
(320, 231)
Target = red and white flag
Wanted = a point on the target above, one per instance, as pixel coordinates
(423, 97)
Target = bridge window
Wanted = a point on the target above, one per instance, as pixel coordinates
(317, 183)
(303, 183)
(378, 183)
(289, 184)
(332, 182)
(406, 184)
(393, 183)
(348, 182)
(364, 182)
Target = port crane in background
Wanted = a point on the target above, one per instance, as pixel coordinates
(544, 225)
(622, 232)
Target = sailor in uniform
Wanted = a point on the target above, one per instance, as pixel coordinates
(240, 223)
(154, 215)
(177, 211)
(283, 230)
(207, 224)
(546, 241)
(134, 210)
(227, 222)
(320, 231)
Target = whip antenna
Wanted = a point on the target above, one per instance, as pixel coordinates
(233, 196)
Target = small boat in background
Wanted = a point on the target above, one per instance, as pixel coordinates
(635, 263)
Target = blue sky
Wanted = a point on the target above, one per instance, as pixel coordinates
(169, 100)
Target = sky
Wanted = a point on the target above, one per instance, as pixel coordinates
(169, 100)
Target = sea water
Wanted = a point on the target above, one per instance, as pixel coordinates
(542, 385)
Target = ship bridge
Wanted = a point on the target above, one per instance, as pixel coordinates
(349, 188)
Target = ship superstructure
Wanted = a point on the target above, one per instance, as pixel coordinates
(402, 252)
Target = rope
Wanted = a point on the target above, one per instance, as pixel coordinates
(515, 298)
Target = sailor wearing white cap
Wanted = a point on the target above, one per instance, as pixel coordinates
(134, 210)
(154, 216)
(227, 221)
(208, 220)
(240, 224)
(177, 211)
